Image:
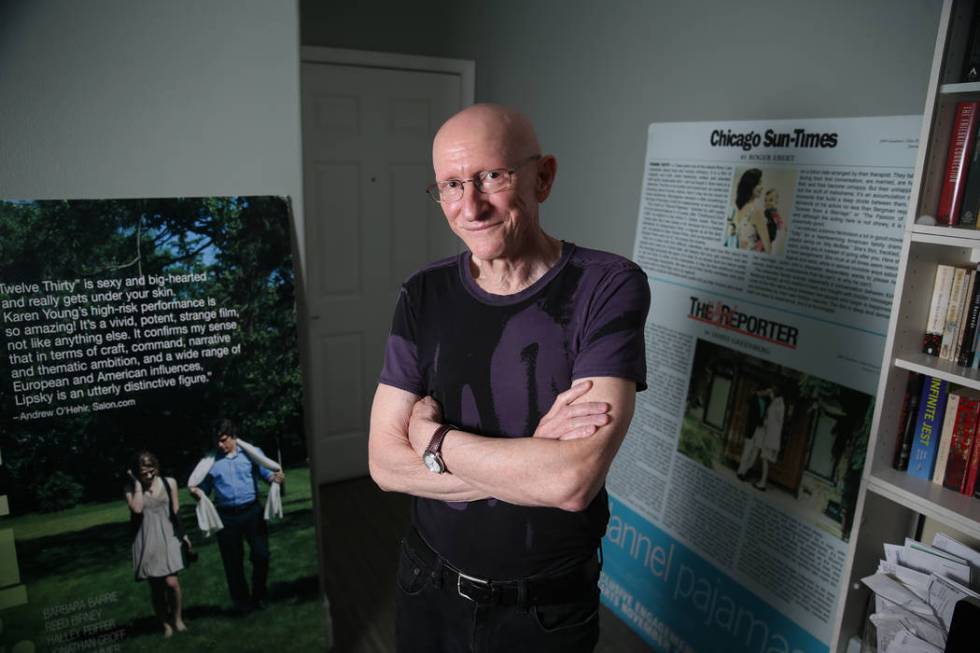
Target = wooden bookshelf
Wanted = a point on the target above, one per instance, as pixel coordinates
(891, 502)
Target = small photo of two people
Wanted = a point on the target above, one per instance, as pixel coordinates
(758, 218)
(764, 432)
(792, 438)
(161, 547)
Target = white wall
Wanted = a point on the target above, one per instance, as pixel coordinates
(149, 98)
(593, 75)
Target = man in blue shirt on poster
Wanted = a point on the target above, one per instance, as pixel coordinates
(233, 479)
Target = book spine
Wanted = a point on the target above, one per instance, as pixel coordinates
(926, 440)
(971, 63)
(970, 321)
(970, 484)
(907, 422)
(932, 341)
(973, 362)
(969, 283)
(951, 196)
(971, 190)
(952, 327)
(954, 476)
(950, 422)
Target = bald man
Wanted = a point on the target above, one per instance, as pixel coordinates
(508, 385)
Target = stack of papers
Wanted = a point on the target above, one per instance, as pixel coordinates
(916, 589)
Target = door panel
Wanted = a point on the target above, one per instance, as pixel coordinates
(367, 136)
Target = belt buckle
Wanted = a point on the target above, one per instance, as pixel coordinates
(472, 579)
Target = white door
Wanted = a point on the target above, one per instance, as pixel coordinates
(367, 136)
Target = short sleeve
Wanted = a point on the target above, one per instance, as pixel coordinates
(612, 342)
(401, 368)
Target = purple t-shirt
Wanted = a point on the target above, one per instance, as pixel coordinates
(495, 363)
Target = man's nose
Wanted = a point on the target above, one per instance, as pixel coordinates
(473, 202)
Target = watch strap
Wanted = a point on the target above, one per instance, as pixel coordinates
(435, 444)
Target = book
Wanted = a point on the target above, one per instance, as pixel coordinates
(970, 359)
(946, 438)
(970, 282)
(971, 63)
(965, 404)
(970, 484)
(971, 190)
(932, 405)
(952, 326)
(939, 304)
(954, 177)
(970, 321)
(974, 361)
(907, 422)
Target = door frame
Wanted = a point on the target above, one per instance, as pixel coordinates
(465, 68)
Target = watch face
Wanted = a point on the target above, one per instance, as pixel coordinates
(432, 462)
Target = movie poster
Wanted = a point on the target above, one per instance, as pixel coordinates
(130, 330)
(772, 249)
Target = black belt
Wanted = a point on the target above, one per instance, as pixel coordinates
(544, 589)
(234, 510)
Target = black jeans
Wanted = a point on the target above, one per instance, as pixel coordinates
(244, 525)
(432, 617)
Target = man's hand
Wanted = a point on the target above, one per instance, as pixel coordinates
(278, 477)
(565, 421)
(426, 418)
(394, 463)
(195, 492)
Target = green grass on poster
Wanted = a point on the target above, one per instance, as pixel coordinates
(76, 557)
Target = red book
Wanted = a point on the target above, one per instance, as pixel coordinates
(971, 475)
(961, 444)
(957, 163)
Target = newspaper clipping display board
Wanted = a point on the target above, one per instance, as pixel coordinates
(130, 330)
(772, 250)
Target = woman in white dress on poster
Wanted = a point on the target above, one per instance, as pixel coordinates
(766, 440)
(157, 556)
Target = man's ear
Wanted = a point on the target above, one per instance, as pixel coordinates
(546, 168)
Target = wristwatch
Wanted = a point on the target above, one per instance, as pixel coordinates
(433, 453)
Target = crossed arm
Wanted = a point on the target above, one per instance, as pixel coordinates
(563, 465)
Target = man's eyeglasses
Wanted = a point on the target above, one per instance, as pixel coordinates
(485, 181)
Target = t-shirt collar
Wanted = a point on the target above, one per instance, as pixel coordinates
(466, 275)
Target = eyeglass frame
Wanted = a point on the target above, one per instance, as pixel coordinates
(432, 190)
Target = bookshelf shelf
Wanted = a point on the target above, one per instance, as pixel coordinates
(927, 498)
(946, 370)
(960, 89)
(952, 236)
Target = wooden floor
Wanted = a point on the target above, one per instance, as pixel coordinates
(362, 528)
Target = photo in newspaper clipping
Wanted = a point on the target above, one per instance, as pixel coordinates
(760, 210)
(149, 345)
(733, 499)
